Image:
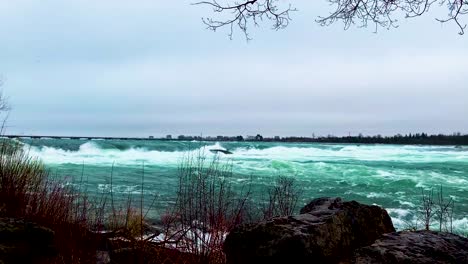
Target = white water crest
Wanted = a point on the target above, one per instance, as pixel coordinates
(92, 153)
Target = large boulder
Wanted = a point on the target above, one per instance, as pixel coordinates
(24, 242)
(326, 231)
(418, 247)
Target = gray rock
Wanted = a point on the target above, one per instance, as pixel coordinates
(24, 242)
(151, 229)
(326, 231)
(415, 247)
(102, 257)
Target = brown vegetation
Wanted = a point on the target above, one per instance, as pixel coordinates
(28, 192)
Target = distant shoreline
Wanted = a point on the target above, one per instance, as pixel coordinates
(410, 139)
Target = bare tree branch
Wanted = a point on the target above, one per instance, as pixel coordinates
(246, 13)
(362, 13)
(382, 13)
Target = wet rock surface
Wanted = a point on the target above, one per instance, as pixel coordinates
(415, 247)
(328, 230)
(24, 242)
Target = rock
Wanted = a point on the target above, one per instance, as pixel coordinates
(415, 247)
(24, 242)
(127, 255)
(107, 239)
(326, 231)
(116, 243)
(102, 257)
(151, 229)
(151, 254)
(102, 239)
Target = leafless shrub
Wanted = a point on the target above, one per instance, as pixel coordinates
(427, 208)
(282, 198)
(3, 103)
(4, 107)
(444, 212)
(206, 208)
(441, 209)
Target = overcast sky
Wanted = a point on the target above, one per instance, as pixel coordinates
(149, 67)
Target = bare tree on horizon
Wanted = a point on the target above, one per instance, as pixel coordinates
(4, 107)
(379, 13)
(3, 102)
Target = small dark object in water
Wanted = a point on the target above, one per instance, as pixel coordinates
(458, 147)
(221, 150)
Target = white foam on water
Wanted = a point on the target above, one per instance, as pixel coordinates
(400, 213)
(421, 185)
(461, 225)
(376, 195)
(406, 203)
(403, 218)
(385, 174)
(90, 153)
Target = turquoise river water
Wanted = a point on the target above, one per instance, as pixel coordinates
(387, 175)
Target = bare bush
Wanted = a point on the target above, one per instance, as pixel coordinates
(4, 107)
(441, 209)
(282, 198)
(444, 212)
(427, 208)
(206, 208)
(3, 102)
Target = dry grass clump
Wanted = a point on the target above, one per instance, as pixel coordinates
(28, 192)
(126, 221)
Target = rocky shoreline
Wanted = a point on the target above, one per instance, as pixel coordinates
(327, 230)
(330, 230)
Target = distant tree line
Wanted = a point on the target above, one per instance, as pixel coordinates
(408, 139)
